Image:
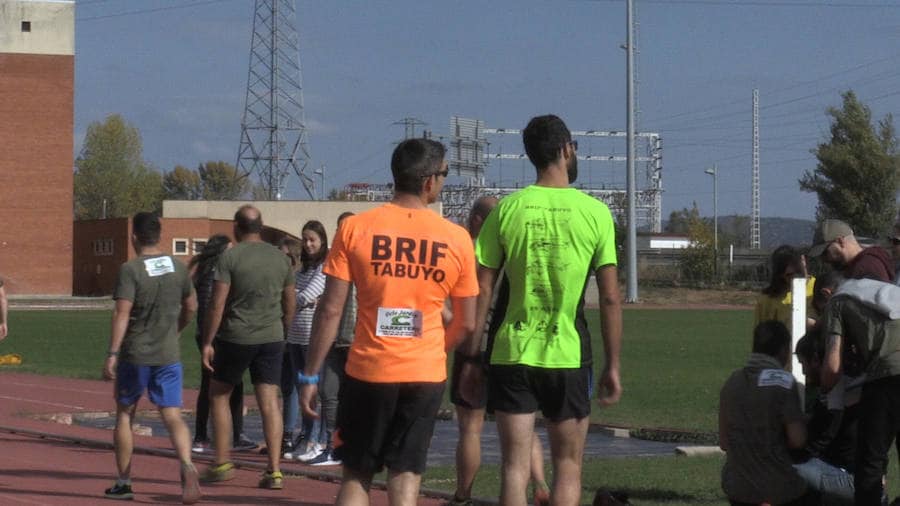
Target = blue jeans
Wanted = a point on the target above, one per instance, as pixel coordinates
(833, 483)
(294, 362)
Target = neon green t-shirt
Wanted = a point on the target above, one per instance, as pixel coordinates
(550, 241)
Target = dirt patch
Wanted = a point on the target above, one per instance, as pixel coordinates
(655, 297)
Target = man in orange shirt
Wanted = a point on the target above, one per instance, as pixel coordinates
(405, 261)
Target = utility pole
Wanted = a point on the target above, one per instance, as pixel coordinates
(754, 192)
(714, 172)
(631, 294)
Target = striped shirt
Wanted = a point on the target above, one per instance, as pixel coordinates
(309, 286)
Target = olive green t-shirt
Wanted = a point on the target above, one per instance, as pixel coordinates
(257, 273)
(156, 285)
(549, 241)
(870, 341)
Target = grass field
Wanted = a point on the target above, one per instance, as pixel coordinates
(673, 364)
(673, 361)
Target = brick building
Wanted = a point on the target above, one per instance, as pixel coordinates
(37, 47)
(101, 246)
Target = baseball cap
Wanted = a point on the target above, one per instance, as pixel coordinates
(826, 232)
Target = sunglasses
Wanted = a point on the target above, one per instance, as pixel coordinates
(574, 145)
(895, 241)
(444, 173)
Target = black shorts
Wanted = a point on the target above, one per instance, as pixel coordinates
(455, 397)
(560, 394)
(263, 360)
(385, 424)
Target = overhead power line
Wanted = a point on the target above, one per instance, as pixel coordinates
(145, 11)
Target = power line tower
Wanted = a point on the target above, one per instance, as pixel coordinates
(409, 126)
(273, 127)
(754, 192)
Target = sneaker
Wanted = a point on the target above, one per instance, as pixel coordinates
(200, 446)
(325, 458)
(288, 450)
(541, 497)
(220, 472)
(190, 484)
(272, 480)
(314, 450)
(244, 444)
(119, 492)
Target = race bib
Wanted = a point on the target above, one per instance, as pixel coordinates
(398, 322)
(775, 378)
(159, 266)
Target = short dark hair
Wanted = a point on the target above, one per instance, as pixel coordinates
(146, 228)
(344, 215)
(248, 220)
(771, 338)
(413, 161)
(544, 138)
(810, 346)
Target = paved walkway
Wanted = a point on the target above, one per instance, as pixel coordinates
(47, 462)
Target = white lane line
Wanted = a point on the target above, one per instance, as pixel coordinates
(61, 389)
(57, 404)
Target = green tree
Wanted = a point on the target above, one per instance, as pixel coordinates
(220, 181)
(111, 177)
(680, 221)
(858, 171)
(698, 261)
(182, 183)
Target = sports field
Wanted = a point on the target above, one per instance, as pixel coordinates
(673, 363)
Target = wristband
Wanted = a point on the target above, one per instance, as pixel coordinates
(112, 353)
(307, 380)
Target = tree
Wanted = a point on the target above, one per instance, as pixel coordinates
(182, 184)
(698, 261)
(680, 221)
(111, 177)
(220, 181)
(858, 171)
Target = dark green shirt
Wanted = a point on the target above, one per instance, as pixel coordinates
(870, 341)
(156, 286)
(257, 273)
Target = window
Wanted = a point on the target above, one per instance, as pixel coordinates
(102, 247)
(179, 246)
(198, 245)
(26, 26)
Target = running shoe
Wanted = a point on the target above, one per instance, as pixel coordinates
(272, 480)
(244, 444)
(218, 472)
(325, 458)
(459, 502)
(118, 491)
(314, 450)
(190, 484)
(200, 446)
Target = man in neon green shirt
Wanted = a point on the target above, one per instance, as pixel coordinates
(550, 239)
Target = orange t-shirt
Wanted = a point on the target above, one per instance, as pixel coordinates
(404, 263)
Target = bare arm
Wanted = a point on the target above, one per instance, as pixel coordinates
(288, 307)
(213, 320)
(188, 309)
(831, 365)
(4, 315)
(487, 278)
(462, 323)
(121, 313)
(610, 388)
(795, 433)
(326, 323)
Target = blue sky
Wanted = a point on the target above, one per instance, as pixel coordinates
(178, 72)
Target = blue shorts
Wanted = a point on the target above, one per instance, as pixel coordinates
(162, 383)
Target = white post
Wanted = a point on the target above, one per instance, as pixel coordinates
(798, 329)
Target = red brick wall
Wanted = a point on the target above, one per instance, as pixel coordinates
(36, 124)
(96, 266)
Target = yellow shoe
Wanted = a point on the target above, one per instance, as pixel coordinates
(220, 472)
(273, 480)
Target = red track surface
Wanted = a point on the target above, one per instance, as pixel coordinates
(43, 462)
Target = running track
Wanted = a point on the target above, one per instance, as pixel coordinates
(45, 462)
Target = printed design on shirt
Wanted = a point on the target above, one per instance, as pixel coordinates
(403, 257)
(775, 378)
(398, 322)
(159, 266)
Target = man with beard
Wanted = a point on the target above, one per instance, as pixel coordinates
(550, 239)
(835, 240)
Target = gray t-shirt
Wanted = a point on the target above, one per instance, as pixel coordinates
(870, 341)
(257, 273)
(757, 403)
(156, 285)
